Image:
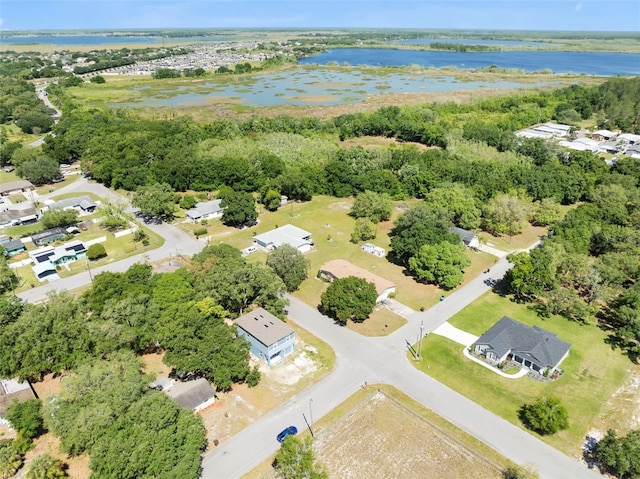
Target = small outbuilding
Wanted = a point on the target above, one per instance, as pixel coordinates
(373, 249)
(534, 348)
(287, 234)
(339, 268)
(468, 238)
(13, 390)
(271, 338)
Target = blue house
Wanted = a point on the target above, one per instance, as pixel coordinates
(271, 338)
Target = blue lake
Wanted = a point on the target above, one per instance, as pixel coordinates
(590, 63)
(474, 41)
(317, 87)
(104, 40)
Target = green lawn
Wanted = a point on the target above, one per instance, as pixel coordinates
(328, 220)
(592, 371)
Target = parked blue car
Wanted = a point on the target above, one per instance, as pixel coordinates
(290, 430)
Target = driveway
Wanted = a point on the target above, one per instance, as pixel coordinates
(455, 334)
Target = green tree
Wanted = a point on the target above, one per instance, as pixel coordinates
(519, 472)
(375, 206)
(296, 460)
(162, 73)
(546, 212)
(39, 171)
(96, 251)
(619, 455)
(34, 122)
(197, 340)
(506, 213)
(10, 458)
(349, 298)
(46, 467)
(239, 208)
(8, 277)
(363, 230)
(26, 418)
(98, 79)
(442, 264)
(418, 226)
(114, 217)
(59, 217)
(187, 202)
(155, 200)
(290, 264)
(546, 415)
(459, 203)
(271, 200)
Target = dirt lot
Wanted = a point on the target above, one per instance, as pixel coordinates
(235, 410)
(351, 448)
(622, 410)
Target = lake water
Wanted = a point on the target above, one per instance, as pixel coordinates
(473, 41)
(103, 40)
(590, 63)
(317, 87)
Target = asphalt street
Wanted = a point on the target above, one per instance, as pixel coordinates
(360, 360)
(363, 360)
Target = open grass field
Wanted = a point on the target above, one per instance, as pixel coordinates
(592, 371)
(379, 432)
(331, 227)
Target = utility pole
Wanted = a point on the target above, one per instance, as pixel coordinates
(420, 340)
(89, 268)
(305, 420)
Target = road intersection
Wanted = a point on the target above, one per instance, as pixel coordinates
(359, 360)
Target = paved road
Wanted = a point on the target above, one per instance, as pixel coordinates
(359, 360)
(176, 242)
(384, 360)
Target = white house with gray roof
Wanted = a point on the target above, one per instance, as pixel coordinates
(205, 211)
(83, 204)
(271, 338)
(287, 234)
(534, 348)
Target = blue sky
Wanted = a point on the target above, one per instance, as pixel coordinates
(614, 15)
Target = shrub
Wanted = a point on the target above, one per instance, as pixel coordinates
(200, 231)
(96, 251)
(547, 415)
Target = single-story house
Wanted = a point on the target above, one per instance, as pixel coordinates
(628, 138)
(373, 249)
(13, 390)
(608, 147)
(468, 238)
(65, 253)
(48, 236)
(603, 135)
(17, 217)
(80, 203)
(582, 144)
(287, 234)
(205, 211)
(271, 338)
(339, 268)
(12, 246)
(534, 348)
(19, 186)
(196, 395)
(633, 151)
(45, 270)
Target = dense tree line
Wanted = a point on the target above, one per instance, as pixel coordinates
(20, 104)
(588, 268)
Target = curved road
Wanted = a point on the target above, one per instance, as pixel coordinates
(176, 242)
(384, 360)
